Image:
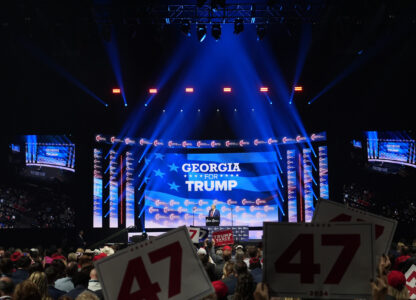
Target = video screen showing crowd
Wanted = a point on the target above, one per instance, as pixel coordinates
(379, 176)
(234, 183)
(34, 195)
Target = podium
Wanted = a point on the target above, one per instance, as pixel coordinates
(212, 221)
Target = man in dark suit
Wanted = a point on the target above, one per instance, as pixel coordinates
(213, 212)
(80, 242)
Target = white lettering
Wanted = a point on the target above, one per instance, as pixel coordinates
(199, 186)
(222, 167)
(204, 168)
(232, 184)
(189, 183)
(221, 185)
(211, 185)
(211, 167)
(186, 168)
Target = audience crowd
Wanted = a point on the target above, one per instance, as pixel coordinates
(23, 207)
(235, 272)
(402, 208)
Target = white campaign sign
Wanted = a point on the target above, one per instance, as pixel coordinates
(328, 211)
(166, 267)
(332, 260)
(194, 233)
(411, 281)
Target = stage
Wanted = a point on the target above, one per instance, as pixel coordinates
(158, 184)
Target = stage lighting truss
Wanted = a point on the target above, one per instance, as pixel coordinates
(213, 12)
(261, 31)
(201, 32)
(216, 31)
(238, 26)
(258, 13)
(186, 27)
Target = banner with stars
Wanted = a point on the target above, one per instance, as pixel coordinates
(181, 188)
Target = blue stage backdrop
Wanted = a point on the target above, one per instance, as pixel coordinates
(158, 184)
(243, 186)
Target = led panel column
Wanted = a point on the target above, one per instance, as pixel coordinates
(129, 189)
(323, 172)
(113, 190)
(308, 184)
(291, 187)
(98, 190)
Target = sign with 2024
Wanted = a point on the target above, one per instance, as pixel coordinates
(329, 211)
(166, 267)
(223, 237)
(328, 260)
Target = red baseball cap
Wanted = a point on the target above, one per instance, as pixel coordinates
(396, 279)
(15, 256)
(57, 256)
(220, 288)
(227, 248)
(99, 256)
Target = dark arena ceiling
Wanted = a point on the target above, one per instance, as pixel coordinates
(61, 58)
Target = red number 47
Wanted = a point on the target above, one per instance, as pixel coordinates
(137, 270)
(307, 268)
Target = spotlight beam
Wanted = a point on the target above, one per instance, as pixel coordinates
(37, 53)
(113, 55)
(358, 62)
(305, 43)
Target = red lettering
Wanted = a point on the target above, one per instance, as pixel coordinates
(306, 268)
(351, 243)
(136, 270)
(174, 251)
(193, 232)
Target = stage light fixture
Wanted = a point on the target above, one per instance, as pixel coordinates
(235, 109)
(152, 91)
(200, 3)
(189, 90)
(227, 90)
(216, 31)
(181, 110)
(218, 109)
(199, 109)
(298, 88)
(186, 27)
(264, 89)
(261, 31)
(164, 110)
(215, 4)
(201, 32)
(116, 91)
(238, 25)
